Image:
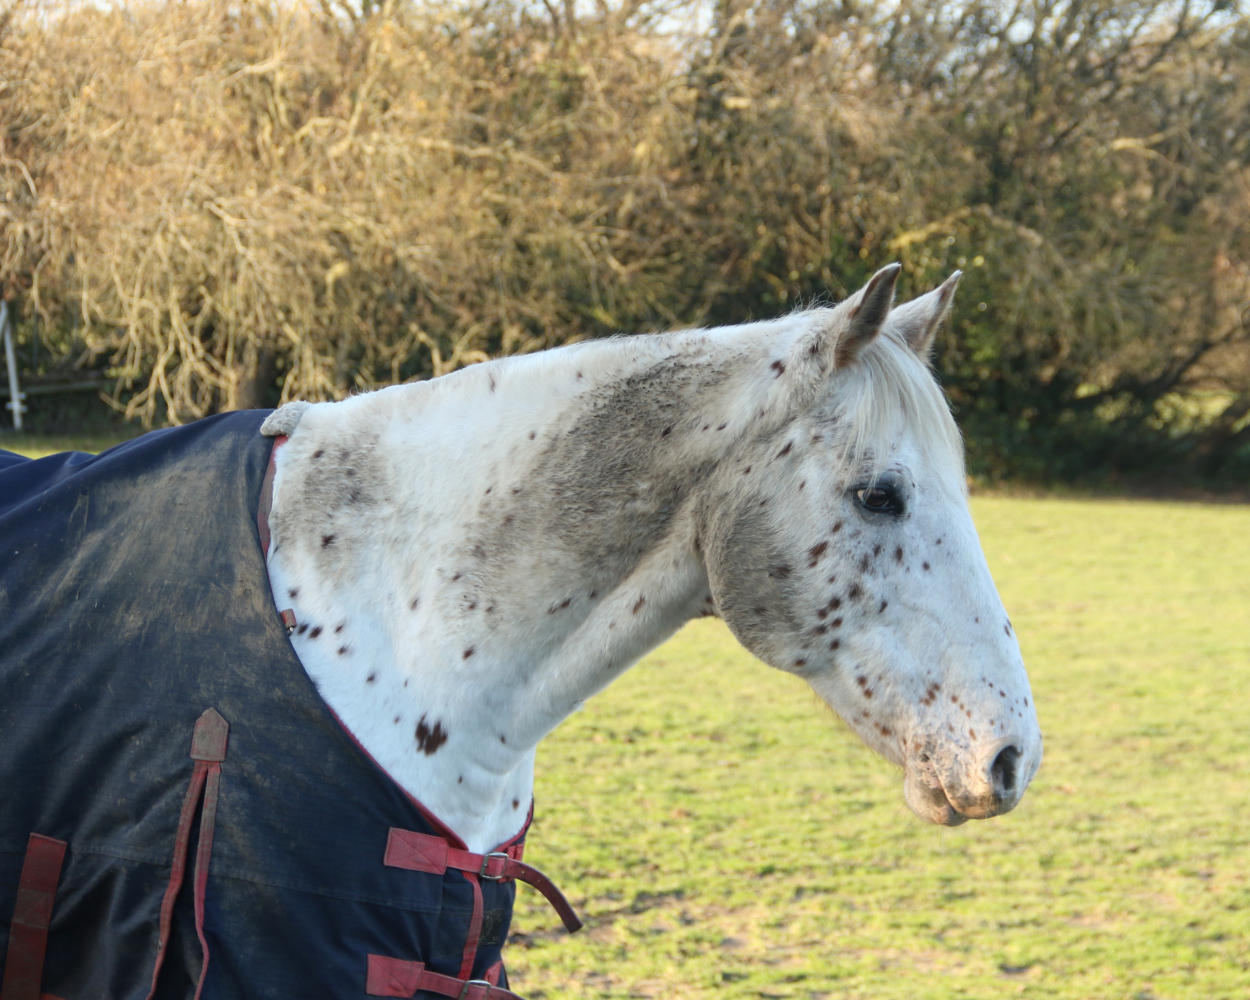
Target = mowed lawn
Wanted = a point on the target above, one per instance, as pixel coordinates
(724, 835)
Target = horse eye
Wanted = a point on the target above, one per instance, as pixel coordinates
(879, 499)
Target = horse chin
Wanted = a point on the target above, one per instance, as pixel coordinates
(927, 799)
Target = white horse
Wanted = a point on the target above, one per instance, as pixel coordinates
(470, 558)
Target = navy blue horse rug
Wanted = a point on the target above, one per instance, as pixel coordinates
(180, 813)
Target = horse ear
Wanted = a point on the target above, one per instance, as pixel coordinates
(866, 312)
(918, 320)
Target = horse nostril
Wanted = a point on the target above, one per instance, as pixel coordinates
(1003, 770)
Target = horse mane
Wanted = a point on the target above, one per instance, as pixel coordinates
(888, 388)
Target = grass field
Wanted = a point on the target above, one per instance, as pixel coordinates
(725, 836)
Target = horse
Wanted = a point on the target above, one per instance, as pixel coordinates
(461, 563)
(472, 557)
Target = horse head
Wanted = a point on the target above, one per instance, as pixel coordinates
(853, 560)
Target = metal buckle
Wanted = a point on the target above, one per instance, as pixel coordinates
(486, 863)
(464, 990)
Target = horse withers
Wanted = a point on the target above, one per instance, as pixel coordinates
(459, 564)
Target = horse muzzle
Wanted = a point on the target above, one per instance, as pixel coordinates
(951, 787)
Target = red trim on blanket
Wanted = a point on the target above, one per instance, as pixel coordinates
(396, 977)
(178, 867)
(32, 913)
(208, 750)
(494, 973)
(475, 927)
(424, 853)
(203, 854)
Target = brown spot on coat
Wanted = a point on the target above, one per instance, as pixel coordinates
(666, 432)
(638, 606)
(779, 368)
(815, 552)
(786, 450)
(415, 602)
(516, 803)
(327, 540)
(469, 652)
(925, 565)
(343, 650)
(315, 632)
(429, 738)
(293, 592)
(856, 592)
(371, 678)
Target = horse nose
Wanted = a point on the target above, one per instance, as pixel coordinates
(1003, 773)
(993, 784)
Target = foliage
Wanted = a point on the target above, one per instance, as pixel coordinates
(725, 837)
(230, 203)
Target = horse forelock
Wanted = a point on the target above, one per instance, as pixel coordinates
(886, 393)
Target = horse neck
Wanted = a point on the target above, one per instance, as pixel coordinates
(483, 552)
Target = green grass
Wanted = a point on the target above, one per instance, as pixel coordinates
(724, 836)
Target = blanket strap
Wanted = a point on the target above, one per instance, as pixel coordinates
(28, 933)
(208, 750)
(420, 852)
(395, 977)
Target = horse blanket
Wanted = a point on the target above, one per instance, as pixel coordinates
(155, 723)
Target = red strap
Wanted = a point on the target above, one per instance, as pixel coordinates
(28, 933)
(420, 852)
(208, 750)
(395, 977)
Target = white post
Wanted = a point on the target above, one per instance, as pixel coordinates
(15, 392)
